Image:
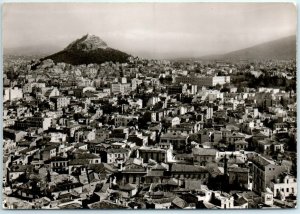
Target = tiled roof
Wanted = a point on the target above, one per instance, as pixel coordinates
(240, 201)
(187, 168)
(173, 136)
(261, 161)
(204, 152)
(128, 187)
(106, 205)
(78, 162)
(238, 169)
(120, 150)
(179, 202)
(155, 174)
(87, 156)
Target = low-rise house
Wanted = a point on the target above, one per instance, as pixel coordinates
(270, 147)
(240, 145)
(60, 102)
(178, 141)
(138, 138)
(121, 132)
(39, 122)
(91, 158)
(125, 120)
(239, 177)
(231, 138)
(267, 197)
(49, 152)
(189, 172)
(205, 135)
(283, 186)
(14, 135)
(259, 136)
(154, 153)
(280, 128)
(117, 156)
(222, 200)
(185, 128)
(171, 121)
(133, 172)
(82, 146)
(240, 202)
(58, 137)
(130, 188)
(17, 170)
(203, 156)
(59, 165)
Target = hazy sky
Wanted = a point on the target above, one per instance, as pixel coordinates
(156, 30)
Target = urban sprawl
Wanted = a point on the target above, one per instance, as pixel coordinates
(149, 134)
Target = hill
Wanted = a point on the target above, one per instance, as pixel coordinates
(86, 50)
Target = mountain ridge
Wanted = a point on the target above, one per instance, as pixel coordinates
(280, 49)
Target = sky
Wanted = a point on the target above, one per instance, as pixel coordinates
(150, 30)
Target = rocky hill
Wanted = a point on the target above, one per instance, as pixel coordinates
(86, 50)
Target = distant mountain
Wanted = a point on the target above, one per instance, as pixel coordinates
(86, 50)
(281, 49)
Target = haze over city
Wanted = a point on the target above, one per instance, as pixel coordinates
(150, 30)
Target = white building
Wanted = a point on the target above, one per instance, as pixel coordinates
(117, 156)
(12, 94)
(284, 186)
(58, 137)
(117, 88)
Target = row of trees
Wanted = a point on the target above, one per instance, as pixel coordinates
(264, 80)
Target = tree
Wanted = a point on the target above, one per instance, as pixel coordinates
(194, 137)
(218, 86)
(48, 178)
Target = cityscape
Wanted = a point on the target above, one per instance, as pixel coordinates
(94, 126)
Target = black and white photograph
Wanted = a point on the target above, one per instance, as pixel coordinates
(149, 105)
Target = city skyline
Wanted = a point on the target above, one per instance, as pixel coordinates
(150, 30)
(93, 118)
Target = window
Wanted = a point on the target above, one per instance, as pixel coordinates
(287, 189)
